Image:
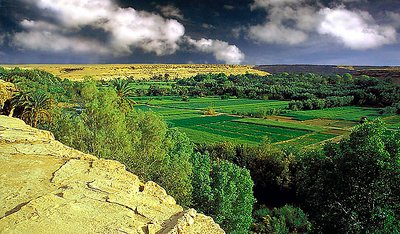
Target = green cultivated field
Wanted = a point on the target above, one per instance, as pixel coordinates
(146, 84)
(301, 128)
(350, 113)
(393, 122)
(224, 106)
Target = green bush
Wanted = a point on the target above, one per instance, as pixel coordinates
(140, 140)
(354, 186)
(287, 219)
(224, 191)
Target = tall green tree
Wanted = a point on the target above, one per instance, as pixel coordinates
(233, 198)
(175, 170)
(201, 182)
(35, 107)
(125, 93)
(353, 186)
(140, 140)
(224, 191)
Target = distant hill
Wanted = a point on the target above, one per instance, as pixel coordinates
(318, 69)
(390, 72)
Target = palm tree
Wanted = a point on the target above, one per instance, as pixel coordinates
(35, 107)
(124, 92)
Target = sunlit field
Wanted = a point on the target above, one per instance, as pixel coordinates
(137, 71)
(300, 129)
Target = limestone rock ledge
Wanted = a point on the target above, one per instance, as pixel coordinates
(47, 187)
(7, 89)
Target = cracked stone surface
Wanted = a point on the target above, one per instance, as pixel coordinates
(47, 187)
(7, 89)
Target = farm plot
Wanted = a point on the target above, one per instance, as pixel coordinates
(393, 122)
(308, 140)
(201, 120)
(350, 113)
(238, 132)
(211, 129)
(319, 126)
(282, 124)
(223, 106)
(274, 133)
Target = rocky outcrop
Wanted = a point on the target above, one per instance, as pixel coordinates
(6, 91)
(47, 187)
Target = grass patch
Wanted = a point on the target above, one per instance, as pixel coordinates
(281, 124)
(351, 113)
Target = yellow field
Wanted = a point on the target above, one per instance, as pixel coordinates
(137, 71)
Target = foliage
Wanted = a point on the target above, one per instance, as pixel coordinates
(286, 219)
(201, 182)
(34, 107)
(224, 191)
(28, 81)
(175, 171)
(317, 103)
(124, 92)
(139, 140)
(353, 186)
(322, 90)
(210, 111)
(271, 168)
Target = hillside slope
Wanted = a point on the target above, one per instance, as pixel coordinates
(47, 187)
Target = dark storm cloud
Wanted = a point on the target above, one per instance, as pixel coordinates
(266, 31)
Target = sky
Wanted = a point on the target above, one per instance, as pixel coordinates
(341, 32)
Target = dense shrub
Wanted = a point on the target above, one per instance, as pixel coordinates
(316, 103)
(140, 140)
(353, 186)
(283, 220)
(224, 191)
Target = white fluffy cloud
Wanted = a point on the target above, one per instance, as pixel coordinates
(276, 33)
(356, 30)
(291, 22)
(288, 22)
(126, 29)
(44, 36)
(220, 49)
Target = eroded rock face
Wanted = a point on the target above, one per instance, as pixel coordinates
(6, 91)
(47, 187)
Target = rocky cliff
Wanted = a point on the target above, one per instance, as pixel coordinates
(6, 91)
(47, 187)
